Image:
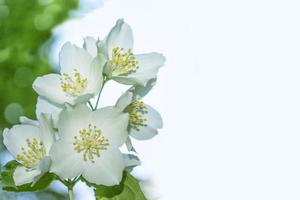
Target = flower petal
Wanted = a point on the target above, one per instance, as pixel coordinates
(113, 124)
(72, 120)
(124, 100)
(154, 121)
(23, 176)
(66, 163)
(72, 57)
(44, 167)
(95, 79)
(119, 36)
(44, 106)
(144, 133)
(140, 91)
(131, 161)
(15, 138)
(90, 46)
(47, 133)
(129, 145)
(149, 65)
(49, 87)
(26, 120)
(153, 117)
(107, 169)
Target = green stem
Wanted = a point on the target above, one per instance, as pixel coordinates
(71, 193)
(70, 185)
(103, 83)
(90, 104)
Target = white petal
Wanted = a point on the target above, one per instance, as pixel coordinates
(26, 120)
(113, 124)
(139, 91)
(66, 163)
(23, 176)
(47, 133)
(120, 36)
(44, 106)
(149, 65)
(102, 48)
(107, 169)
(45, 164)
(153, 117)
(154, 122)
(15, 138)
(43, 167)
(144, 133)
(95, 76)
(129, 145)
(131, 160)
(90, 46)
(124, 100)
(82, 99)
(72, 120)
(49, 87)
(72, 57)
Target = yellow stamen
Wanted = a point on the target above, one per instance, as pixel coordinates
(123, 62)
(32, 154)
(91, 142)
(73, 85)
(136, 111)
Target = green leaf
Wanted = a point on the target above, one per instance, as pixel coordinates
(129, 189)
(8, 183)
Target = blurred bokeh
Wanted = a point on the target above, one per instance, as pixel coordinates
(25, 39)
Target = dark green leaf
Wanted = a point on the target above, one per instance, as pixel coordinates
(8, 183)
(129, 189)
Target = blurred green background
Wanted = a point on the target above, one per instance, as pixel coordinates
(25, 37)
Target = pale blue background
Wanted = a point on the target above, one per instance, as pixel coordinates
(229, 94)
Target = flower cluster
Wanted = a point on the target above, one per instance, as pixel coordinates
(72, 138)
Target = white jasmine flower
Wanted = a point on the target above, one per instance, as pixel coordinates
(143, 119)
(30, 144)
(122, 65)
(90, 141)
(80, 76)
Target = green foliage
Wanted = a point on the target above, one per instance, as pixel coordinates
(128, 189)
(8, 183)
(25, 30)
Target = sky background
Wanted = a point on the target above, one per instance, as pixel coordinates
(228, 94)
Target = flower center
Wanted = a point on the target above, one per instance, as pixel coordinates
(33, 154)
(73, 85)
(136, 110)
(91, 142)
(123, 62)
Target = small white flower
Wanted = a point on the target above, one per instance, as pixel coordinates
(122, 65)
(30, 144)
(90, 141)
(80, 76)
(143, 119)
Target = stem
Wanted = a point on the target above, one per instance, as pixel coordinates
(70, 185)
(103, 83)
(90, 104)
(71, 194)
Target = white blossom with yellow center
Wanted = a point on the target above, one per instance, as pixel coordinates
(80, 75)
(30, 144)
(122, 64)
(90, 142)
(143, 119)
